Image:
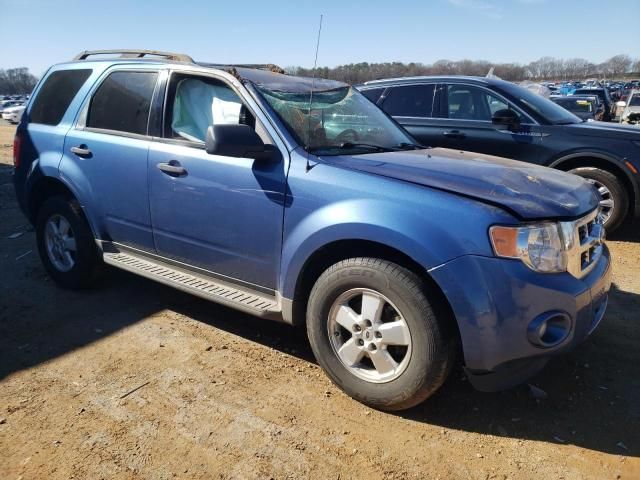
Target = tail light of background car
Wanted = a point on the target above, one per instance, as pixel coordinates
(17, 141)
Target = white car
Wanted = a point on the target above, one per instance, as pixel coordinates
(13, 114)
(631, 112)
(8, 104)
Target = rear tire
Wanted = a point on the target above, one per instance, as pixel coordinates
(614, 199)
(66, 244)
(362, 348)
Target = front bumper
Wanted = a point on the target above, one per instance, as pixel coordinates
(494, 301)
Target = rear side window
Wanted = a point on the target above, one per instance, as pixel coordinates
(373, 94)
(410, 101)
(56, 94)
(122, 102)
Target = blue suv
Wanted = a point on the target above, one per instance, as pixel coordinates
(299, 200)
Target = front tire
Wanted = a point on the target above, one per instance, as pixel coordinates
(375, 333)
(614, 200)
(66, 244)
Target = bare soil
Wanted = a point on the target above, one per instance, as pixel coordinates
(132, 379)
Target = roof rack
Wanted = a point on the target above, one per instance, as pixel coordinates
(420, 77)
(180, 57)
(272, 67)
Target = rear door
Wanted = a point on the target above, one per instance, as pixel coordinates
(105, 155)
(413, 107)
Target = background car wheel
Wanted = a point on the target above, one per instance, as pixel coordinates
(614, 200)
(66, 244)
(374, 332)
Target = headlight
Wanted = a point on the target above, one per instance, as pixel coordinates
(539, 246)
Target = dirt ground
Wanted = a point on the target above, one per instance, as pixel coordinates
(136, 380)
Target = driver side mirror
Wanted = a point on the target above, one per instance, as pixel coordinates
(239, 141)
(506, 118)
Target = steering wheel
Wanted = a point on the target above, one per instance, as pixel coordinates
(349, 135)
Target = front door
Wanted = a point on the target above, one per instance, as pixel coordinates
(466, 125)
(218, 213)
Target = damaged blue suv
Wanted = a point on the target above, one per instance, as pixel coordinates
(298, 200)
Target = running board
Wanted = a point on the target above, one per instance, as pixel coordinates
(233, 296)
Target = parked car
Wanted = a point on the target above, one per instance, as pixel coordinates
(495, 117)
(8, 104)
(604, 96)
(215, 180)
(583, 106)
(13, 114)
(631, 108)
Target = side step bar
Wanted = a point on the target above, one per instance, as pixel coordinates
(233, 296)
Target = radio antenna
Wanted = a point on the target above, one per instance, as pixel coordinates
(313, 84)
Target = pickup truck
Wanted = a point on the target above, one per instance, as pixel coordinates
(298, 200)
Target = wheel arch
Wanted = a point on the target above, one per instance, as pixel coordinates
(603, 162)
(339, 250)
(46, 187)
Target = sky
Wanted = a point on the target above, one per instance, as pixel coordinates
(38, 33)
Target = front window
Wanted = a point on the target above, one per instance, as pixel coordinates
(466, 102)
(199, 102)
(340, 120)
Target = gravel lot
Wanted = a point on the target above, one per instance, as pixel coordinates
(135, 380)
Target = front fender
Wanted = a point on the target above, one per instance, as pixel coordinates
(427, 242)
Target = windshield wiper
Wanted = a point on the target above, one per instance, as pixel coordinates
(410, 146)
(377, 148)
(370, 146)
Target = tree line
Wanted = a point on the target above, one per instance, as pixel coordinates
(16, 81)
(545, 68)
(20, 80)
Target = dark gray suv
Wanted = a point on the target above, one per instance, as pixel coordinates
(500, 118)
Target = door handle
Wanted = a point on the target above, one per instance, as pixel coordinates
(172, 168)
(454, 134)
(81, 151)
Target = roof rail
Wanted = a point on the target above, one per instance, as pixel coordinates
(272, 67)
(180, 57)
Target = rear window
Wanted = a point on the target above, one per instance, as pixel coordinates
(575, 104)
(588, 91)
(122, 102)
(56, 94)
(410, 101)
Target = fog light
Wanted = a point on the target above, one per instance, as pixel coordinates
(549, 329)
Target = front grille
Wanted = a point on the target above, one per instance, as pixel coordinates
(584, 239)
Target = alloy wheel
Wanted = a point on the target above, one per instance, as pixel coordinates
(369, 335)
(607, 204)
(60, 243)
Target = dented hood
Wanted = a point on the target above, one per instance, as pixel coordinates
(528, 191)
